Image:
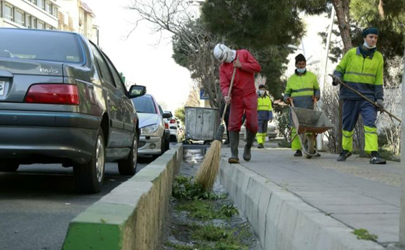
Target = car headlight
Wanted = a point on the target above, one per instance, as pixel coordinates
(149, 129)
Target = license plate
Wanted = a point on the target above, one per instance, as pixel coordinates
(2, 86)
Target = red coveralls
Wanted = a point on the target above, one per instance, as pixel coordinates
(244, 97)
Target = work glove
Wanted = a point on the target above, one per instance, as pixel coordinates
(336, 80)
(380, 104)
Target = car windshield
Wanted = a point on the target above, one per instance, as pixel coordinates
(40, 45)
(144, 104)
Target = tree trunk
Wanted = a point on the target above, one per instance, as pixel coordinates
(343, 16)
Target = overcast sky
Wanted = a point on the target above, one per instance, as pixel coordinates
(141, 58)
(146, 61)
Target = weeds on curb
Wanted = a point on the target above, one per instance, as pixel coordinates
(185, 189)
(205, 210)
(206, 222)
(363, 234)
(208, 237)
(229, 210)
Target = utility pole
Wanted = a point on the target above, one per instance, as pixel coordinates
(319, 139)
(402, 216)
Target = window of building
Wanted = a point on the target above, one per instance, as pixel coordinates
(8, 11)
(55, 11)
(34, 23)
(48, 7)
(19, 17)
(40, 25)
(41, 4)
(28, 21)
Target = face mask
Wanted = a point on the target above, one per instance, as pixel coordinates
(261, 92)
(301, 71)
(368, 46)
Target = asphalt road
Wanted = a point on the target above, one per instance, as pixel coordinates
(38, 202)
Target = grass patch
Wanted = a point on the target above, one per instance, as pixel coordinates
(185, 189)
(229, 210)
(197, 230)
(363, 234)
(211, 233)
(178, 246)
(201, 210)
(205, 210)
(388, 155)
(220, 238)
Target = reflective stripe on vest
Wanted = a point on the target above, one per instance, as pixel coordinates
(264, 103)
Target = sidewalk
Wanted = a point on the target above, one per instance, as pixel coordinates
(355, 193)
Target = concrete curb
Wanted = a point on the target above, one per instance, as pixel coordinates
(283, 221)
(132, 215)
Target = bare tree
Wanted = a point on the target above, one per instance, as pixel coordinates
(330, 99)
(193, 99)
(343, 16)
(390, 130)
(178, 18)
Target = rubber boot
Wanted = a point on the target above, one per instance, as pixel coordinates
(234, 142)
(249, 143)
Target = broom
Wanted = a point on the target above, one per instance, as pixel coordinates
(367, 99)
(208, 171)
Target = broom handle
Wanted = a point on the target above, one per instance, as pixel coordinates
(229, 93)
(367, 99)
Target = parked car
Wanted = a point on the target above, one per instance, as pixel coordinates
(271, 131)
(173, 125)
(153, 136)
(167, 129)
(63, 101)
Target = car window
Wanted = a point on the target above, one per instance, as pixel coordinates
(144, 104)
(104, 71)
(117, 78)
(41, 45)
(160, 110)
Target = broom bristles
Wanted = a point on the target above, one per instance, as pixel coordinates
(208, 171)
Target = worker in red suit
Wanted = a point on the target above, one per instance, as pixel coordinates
(243, 98)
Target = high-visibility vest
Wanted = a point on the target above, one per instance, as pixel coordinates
(264, 103)
(365, 74)
(302, 85)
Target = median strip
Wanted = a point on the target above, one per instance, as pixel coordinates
(132, 215)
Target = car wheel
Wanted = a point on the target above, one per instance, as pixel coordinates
(173, 138)
(128, 165)
(167, 144)
(89, 176)
(9, 167)
(163, 144)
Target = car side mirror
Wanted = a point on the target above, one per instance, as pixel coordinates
(166, 115)
(136, 91)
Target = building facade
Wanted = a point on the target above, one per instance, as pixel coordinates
(32, 14)
(66, 15)
(75, 15)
